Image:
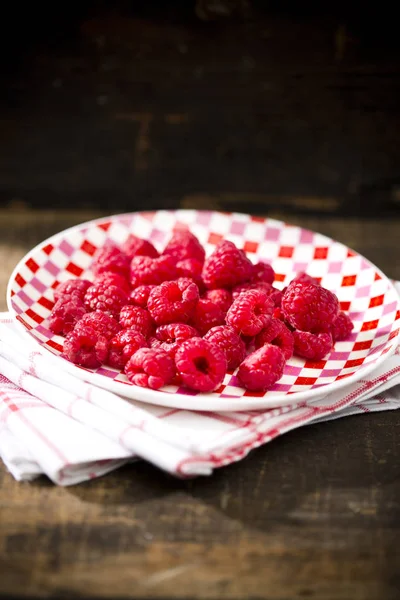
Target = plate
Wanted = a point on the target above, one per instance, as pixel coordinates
(363, 290)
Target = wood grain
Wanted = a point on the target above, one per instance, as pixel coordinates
(315, 514)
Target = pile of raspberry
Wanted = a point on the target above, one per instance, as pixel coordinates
(179, 317)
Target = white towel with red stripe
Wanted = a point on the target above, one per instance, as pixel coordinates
(55, 424)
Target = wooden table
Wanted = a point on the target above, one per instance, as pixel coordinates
(315, 514)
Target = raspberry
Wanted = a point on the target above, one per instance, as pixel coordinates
(278, 334)
(110, 258)
(207, 315)
(278, 314)
(140, 295)
(108, 298)
(190, 267)
(85, 347)
(250, 312)
(135, 317)
(226, 267)
(303, 277)
(184, 245)
(261, 369)
(65, 313)
(150, 367)
(256, 285)
(170, 337)
(229, 342)
(135, 246)
(341, 327)
(309, 307)
(123, 345)
(110, 278)
(146, 270)
(263, 272)
(312, 345)
(173, 301)
(220, 297)
(201, 364)
(72, 287)
(101, 322)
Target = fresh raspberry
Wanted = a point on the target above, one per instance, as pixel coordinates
(184, 245)
(140, 295)
(229, 342)
(135, 317)
(303, 277)
(263, 272)
(341, 327)
(101, 322)
(173, 301)
(261, 369)
(220, 297)
(250, 312)
(124, 345)
(108, 298)
(170, 337)
(201, 364)
(135, 246)
(278, 334)
(146, 270)
(226, 267)
(85, 347)
(207, 315)
(72, 287)
(110, 278)
(65, 313)
(278, 314)
(110, 258)
(255, 285)
(309, 307)
(190, 267)
(150, 367)
(312, 345)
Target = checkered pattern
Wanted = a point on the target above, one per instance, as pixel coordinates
(363, 291)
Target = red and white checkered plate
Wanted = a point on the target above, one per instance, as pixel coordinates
(363, 291)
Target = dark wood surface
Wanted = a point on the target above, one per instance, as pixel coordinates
(315, 514)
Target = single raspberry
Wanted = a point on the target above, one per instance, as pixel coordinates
(110, 278)
(341, 327)
(278, 334)
(146, 270)
(229, 342)
(250, 312)
(170, 337)
(140, 295)
(220, 297)
(135, 246)
(110, 258)
(207, 315)
(201, 364)
(108, 298)
(124, 345)
(103, 324)
(255, 285)
(184, 245)
(303, 277)
(150, 367)
(226, 267)
(85, 347)
(65, 314)
(261, 369)
(190, 267)
(263, 272)
(72, 287)
(135, 317)
(309, 307)
(173, 301)
(312, 345)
